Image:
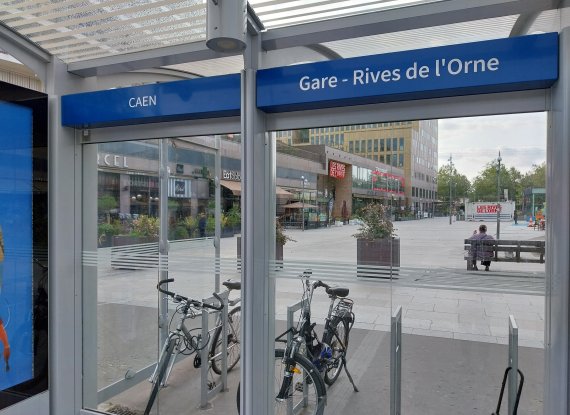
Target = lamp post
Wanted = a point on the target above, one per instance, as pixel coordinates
(499, 195)
(450, 183)
(303, 203)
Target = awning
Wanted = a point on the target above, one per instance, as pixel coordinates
(299, 205)
(235, 187)
(279, 191)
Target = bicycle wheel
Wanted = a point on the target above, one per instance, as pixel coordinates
(234, 330)
(161, 371)
(315, 388)
(340, 326)
(305, 392)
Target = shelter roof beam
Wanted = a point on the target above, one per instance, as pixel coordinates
(25, 51)
(396, 20)
(154, 58)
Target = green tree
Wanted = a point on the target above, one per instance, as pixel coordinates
(485, 184)
(536, 177)
(460, 184)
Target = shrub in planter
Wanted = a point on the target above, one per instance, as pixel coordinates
(377, 249)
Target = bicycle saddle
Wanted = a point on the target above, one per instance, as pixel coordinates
(232, 284)
(337, 291)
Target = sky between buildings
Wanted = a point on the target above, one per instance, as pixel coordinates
(474, 142)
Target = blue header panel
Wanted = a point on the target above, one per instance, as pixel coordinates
(526, 62)
(216, 96)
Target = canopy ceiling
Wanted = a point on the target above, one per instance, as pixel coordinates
(87, 34)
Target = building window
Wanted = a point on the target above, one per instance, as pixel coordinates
(388, 144)
(375, 145)
(388, 158)
(350, 147)
(381, 144)
(401, 143)
(382, 158)
(357, 146)
(395, 144)
(375, 157)
(370, 146)
(362, 146)
(400, 160)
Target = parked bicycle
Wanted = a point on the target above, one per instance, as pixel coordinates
(306, 364)
(179, 341)
(233, 333)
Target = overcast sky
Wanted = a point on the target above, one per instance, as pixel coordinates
(474, 142)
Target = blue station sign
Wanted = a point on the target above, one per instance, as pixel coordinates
(512, 64)
(216, 96)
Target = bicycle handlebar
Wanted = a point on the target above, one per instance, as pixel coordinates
(194, 303)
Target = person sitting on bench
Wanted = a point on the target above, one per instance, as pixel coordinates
(481, 252)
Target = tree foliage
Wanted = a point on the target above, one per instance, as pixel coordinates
(485, 184)
(460, 184)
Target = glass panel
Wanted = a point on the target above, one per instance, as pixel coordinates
(122, 267)
(455, 321)
(455, 317)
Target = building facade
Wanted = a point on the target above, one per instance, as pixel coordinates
(408, 145)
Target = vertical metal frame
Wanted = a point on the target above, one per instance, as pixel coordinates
(557, 321)
(513, 363)
(258, 244)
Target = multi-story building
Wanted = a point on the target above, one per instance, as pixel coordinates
(408, 145)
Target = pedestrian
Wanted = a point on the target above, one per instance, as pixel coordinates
(479, 251)
(202, 225)
(515, 217)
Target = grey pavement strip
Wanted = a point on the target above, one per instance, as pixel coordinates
(367, 351)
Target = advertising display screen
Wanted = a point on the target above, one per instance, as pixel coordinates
(16, 243)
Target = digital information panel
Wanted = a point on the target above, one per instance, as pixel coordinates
(16, 307)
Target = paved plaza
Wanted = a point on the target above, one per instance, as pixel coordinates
(455, 318)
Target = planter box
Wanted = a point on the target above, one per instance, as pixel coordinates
(278, 253)
(378, 258)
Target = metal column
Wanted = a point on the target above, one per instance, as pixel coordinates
(258, 245)
(396, 362)
(557, 298)
(513, 363)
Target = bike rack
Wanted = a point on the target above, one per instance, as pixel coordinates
(396, 362)
(205, 392)
(290, 322)
(513, 363)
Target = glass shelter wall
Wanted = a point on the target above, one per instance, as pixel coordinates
(151, 215)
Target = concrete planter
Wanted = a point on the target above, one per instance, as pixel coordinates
(378, 258)
(278, 252)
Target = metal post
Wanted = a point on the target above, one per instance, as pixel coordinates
(396, 363)
(218, 218)
(513, 362)
(499, 196)
(450, 172)
(163, 239)
(290, 323)
(303, 202)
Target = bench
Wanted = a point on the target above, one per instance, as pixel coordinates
(512, 249)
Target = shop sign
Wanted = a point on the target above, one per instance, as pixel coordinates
(502, 65)
(112, 160)
(231, 175)
(179, 188)
(337, 170)
(210, 97)
(488, 208)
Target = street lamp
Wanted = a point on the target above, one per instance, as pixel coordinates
(450, 182)
(499, 195)
(303, 182)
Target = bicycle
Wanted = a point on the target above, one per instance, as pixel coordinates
(233, 333)
(307, 363)
(179, 341)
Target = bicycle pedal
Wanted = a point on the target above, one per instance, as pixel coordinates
(299, 386)
(211, 385)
